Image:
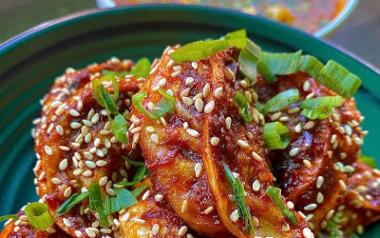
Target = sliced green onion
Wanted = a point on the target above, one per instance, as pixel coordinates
(141, 69)
(123, 199)
(138, 177)
(71, 202)
(282, 63)
(237, 38)
(198, 50)
(134, 162)
(167, 96)
(281, 101)
(239, 197)
(275, 194)
(137, 191)
(119, 128)
(39, 216)
(370, 161)
(109, 103)
(311, 65)
(96, 85)
(248, 58)
(122, 74)
(276, 135)
(320, 108)
(96, 203)
(163, 107)
(265, 71)
(137, 102)
(242, 103)
(9, 216)
(339, 79)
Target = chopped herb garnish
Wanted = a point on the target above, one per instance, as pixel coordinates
(276, 135)
(370, 161)
(275, 194)
(96, 203)
(141, 69)
(281, 101)
(134, 162)
(137, 191)
(239, 197)
(119, 128)
(321, 107)
(9, 216)
(140, 173)
(242, 103)
(123, 199)
(282, 63)
(39, 216)
(311, 65)
(71, 202)
(164, 106)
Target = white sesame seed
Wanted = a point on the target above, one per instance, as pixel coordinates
(103, 181)
(170, 92)
(185, 125)
(182, 231)
(307, 163)
(139, 221)
(306, 86)
(228, 122)
(95, 118)
(101, 163)
(206, 90)
(198, 169)
(330, 214)
(63, 164)
(208, 210)
(187, 101)
(209, 107)
(199, 95)
(135, 130)
(320, 198)
(342, 185)
(59, 130)
(192, 132)
(87, 123)
(150, 129)
(319, 182)
(56, 181)
(215, 141)
(257, 156)
(97, 142)
(256, 185)
(294, 151)
(310, 207)
(307, 233)
(298, 128)
(184, 206)
(194, 65)
(145, 195)
(100, 153)
(74, 112)
(48, 150)
(218, 92)
(185, 92)
(290, 204)
(154, 138)
(90, 164)
(150, 105)
(125, 217)
(64, 148)
(67, 192)
(78, 233)
(234, 216)
(175, 73)
(66, 222)
(90, 232)
(158, 197)
(87, 173)
(189, 80)
(162, 82)
(199, 104)
(75, 125)
(110, 191)
(244, 83)
(242, 143)
(155, 229)
(309, 125)
(88, 155)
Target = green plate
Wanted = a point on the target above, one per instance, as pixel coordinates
(30, 62)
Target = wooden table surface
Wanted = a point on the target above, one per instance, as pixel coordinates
(359, 34)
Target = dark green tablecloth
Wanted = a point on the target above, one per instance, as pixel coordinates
(359, 34)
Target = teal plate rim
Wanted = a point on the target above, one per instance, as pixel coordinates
(38, 31)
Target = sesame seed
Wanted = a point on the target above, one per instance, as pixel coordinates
(244, 83)
(67, 192)
(100, 163)
(298, 128)
(95, 118)
(307, 233)
(87, 173)
(110, 191)
(284, 118)
(59, 130)
(185, 125)
(55, 181)
(74, 112)
(97, 142)
(309, 125)
(48, 150)
(275, 116)
(139, 221)
(357, 140)
(150, 105)
(194, 65)
(155, 229)
(294, 151)
(307, 163)
(306, 86)
(320, 198)
(208, 210)
(243, 144)
(103, 181)
(319, 182)
(90, 164)
(310, 207)
(310, 95)
(88, 155)
(66, 222)
(257, 156)
(170, 92)
(342, 185)
(228, 122)
(206, 90)
(199, 95)
(192, 132)
(64, 148)
(63, 164)
(162, 82)
(234, 216)
(150, 129)
(87, 123)
(209, 107)
(182, 231)
(256, 185)
(188, 101)
(199, 104)
(78, 233)
(145, 195)
(175, 73)
(154, 138)
(184, 206)
(218, 92)
(75, 125)
(158, 197)
(215, 141)
(330, 214)
(136, 129)
(100, 153)
(189, 80)
(185, 92)
(198, 169)
(90, 232)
